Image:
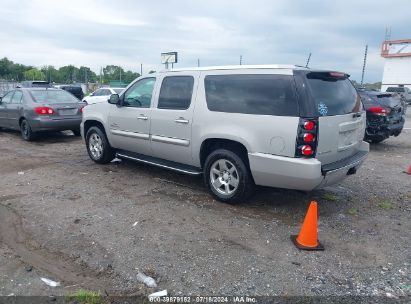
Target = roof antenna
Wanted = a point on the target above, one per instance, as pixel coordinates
(365, 62)
(308, 60)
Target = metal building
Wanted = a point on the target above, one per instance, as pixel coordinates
(397, 68)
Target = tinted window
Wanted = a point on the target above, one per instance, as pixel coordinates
(17, 97)
(333, 95)
(251, 94)
(52, 96)
(176, 92)
(7, 98)
(139, 94)
(393, 89)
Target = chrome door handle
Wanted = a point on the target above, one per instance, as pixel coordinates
(181, 120)
(142, 117)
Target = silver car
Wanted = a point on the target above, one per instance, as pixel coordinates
(273, 125)
(33, 110)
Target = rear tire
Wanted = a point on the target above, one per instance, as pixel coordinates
(26, 131)
(228, 177)
(98, 147)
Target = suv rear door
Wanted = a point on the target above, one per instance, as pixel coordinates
(172, 117)
(341, 118)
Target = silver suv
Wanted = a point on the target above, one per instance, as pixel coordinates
(273, 125)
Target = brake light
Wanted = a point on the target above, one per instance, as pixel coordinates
(308, 137)
(44, 111)
(309, 125)
(81, 109)
(337, 74)
(306, 143)
(379, 111)
(306, 150)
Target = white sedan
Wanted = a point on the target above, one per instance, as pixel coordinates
(101, 95)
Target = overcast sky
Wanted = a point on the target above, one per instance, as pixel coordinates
(127, 33)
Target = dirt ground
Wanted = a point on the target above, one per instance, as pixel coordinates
(91, 226)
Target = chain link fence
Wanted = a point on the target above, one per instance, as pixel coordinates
(7, 85)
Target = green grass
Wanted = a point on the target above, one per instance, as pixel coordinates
(386, 204)
(85, 297)
(329, 197)
(352, 211)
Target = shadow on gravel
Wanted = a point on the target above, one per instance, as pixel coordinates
(288, 206)
(45, 138)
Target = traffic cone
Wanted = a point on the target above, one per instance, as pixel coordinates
(408, 171)
(307, 238)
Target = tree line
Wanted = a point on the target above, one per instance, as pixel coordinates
(66, 74)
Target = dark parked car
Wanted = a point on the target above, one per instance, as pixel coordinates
(33, 110)
(77, 91)
(385, 115)
(403, 91)
(35, 84)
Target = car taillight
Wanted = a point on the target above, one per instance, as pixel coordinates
(44, 111)
(306, 143)
(81, 109)
(380, 111)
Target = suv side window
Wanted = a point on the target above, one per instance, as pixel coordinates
(176, 92)
(139, 94)
(264, 94)
(7, 98)
(17, 97)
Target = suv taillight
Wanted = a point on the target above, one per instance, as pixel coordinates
(306, 143)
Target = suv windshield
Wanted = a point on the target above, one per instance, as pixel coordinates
(52, 96)
(333, 93)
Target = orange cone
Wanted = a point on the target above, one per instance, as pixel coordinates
(307, 238)
(408, 171)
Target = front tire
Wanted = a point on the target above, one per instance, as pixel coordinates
(26, 131)
(98, 147)
(228, 177)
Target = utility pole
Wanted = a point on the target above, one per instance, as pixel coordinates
(241, 59)
(141, 69)
(308, 60)
(363, 66)
(101, 79)
(120, 73)
(198, 62)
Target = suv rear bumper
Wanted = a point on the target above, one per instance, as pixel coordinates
(302, 173)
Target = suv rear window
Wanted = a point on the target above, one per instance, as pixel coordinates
(333, 95)
(251, 94)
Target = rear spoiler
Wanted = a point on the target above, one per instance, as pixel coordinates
(328, 76)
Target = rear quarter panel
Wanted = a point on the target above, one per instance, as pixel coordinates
(258, 133)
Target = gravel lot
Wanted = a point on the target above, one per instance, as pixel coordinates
(95, 227)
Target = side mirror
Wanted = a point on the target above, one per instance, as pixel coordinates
(91, 94)
(114, 99)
